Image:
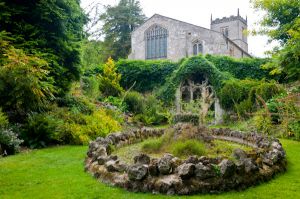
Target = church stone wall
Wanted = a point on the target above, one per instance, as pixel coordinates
(180, 40)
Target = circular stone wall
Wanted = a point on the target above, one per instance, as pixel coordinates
(171, 175)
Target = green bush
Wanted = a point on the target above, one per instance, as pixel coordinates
(134, 102)
(9, 142)
(62, 126)
(3, 120)
(153, 111)
(144, 75)
(182, 148)
(78, 128)
(25, 84)
(285, 113)
(109, 80)
(90, 86)
(243, 96)
(40, 130)
(76, 103)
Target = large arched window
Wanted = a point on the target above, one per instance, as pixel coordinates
(156, 42)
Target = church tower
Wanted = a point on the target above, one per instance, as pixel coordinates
(233, 27)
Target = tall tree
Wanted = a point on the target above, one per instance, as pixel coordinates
(51, 29)
(119, 22)
(282, 23)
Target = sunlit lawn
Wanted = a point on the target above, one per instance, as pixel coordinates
(58, 173)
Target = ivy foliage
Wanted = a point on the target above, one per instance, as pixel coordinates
(241, 68)
(194, 67)
(144, 75)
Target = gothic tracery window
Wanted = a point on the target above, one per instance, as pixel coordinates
(197, 48)
(156, 42)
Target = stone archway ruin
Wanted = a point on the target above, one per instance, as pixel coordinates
(197, 88)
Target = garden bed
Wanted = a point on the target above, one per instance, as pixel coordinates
(195, 174)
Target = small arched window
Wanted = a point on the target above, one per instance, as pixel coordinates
(156, 42)
(197, 48)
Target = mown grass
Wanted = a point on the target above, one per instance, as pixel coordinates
(58, 173)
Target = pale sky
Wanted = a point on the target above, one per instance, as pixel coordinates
(198, 12)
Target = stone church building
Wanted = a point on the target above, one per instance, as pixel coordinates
(162, 37)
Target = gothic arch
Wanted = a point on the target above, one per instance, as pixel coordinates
(156, 38)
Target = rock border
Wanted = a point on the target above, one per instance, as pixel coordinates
(171, 175)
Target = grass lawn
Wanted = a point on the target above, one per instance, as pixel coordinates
(58, 173)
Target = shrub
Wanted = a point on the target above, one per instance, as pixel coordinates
(78, 128)
(263, 122)
(3, 120)
(243, 96)
(40, 130)
(109, 81)
(78, 104)
(187, 147)
(25, 84)
(144, 75)
(285, 113)
(62, 126)
(153, 111)
(134, 102)
(115, 101)
(9, 142)
(90, 86)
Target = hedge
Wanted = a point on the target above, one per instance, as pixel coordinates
(241, 68)
(146, 75)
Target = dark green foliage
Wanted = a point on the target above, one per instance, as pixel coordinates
(119, 21)
(90, 86)
(134, 102)
(243, 96)
(147, 109)
(194, 67)
(240, 68)
(144, 75)
(183, 148)
(3, 120)
(76, 104)
(40, 129)
(153, 112)
(52, 29)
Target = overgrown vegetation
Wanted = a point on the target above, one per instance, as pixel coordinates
(249, 95)
(144, 76)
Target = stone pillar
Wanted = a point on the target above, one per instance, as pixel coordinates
(219, 112)
(178, 99)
